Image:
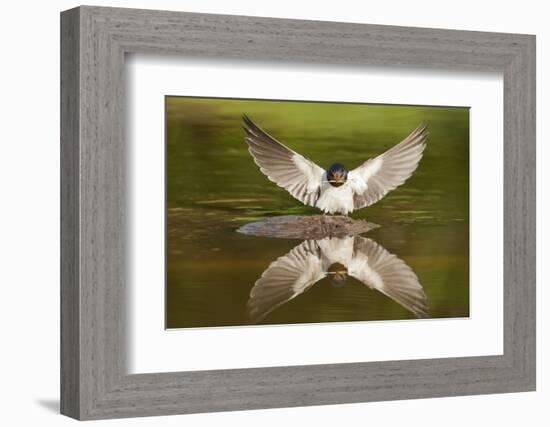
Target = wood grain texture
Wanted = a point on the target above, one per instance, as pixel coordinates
(70, 221)
(94, 381)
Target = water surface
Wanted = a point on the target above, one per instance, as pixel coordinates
(214, 187)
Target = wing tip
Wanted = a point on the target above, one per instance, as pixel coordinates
(423, 131)
(249, 125)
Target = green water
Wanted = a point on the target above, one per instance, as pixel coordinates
(214, 187)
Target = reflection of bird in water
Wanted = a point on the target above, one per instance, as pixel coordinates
(313, 260)
(335, 190)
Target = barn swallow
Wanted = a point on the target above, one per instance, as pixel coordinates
(335, 190)
(336, 258)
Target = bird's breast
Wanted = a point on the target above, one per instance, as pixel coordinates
(336, 199)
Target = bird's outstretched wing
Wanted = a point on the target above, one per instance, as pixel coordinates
(376, 177)
(380, 270)
(299, 176)
(284, 279)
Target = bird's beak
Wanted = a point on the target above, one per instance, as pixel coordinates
(340, 179)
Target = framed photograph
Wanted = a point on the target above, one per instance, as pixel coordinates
(262, 213)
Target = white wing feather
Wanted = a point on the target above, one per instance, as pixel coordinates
(299, 176)
(380, 270)
(376, 177)
(285, 278)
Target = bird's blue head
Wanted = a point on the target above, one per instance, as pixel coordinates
(337, 174)
(338, 280)
(338, 275)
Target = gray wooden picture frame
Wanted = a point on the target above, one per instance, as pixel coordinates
(94, 381)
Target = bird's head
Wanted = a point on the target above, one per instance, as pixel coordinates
(337, 174)
(338, 275)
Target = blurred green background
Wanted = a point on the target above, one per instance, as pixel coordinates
(214, 187)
